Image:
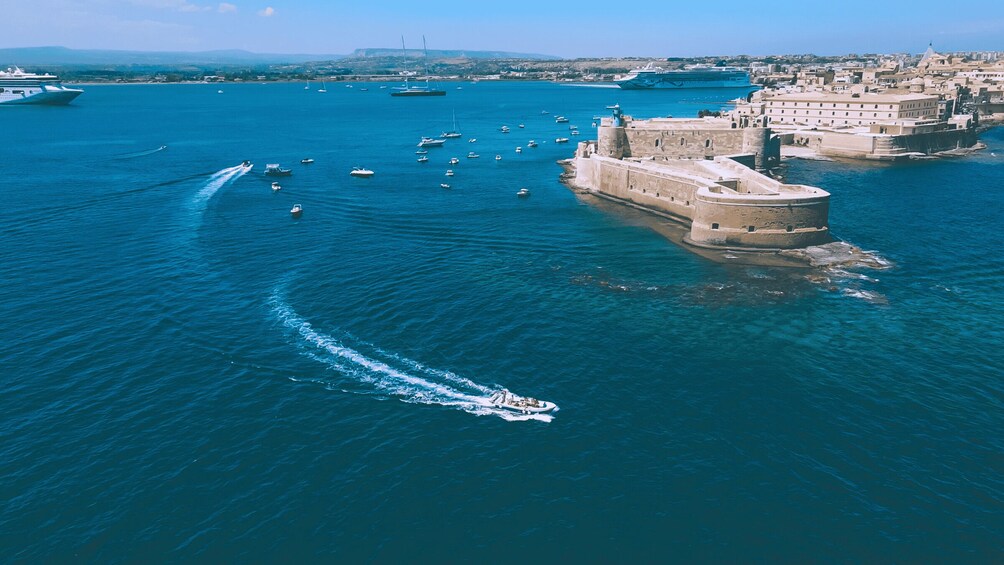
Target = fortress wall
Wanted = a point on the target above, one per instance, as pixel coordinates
(661, 192)
(837, 144)
(687, 143)
(726, 219)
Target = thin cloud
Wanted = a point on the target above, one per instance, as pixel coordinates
(267, 12)
(226, 7)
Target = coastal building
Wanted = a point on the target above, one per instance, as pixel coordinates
(702, 173)
(847, 109)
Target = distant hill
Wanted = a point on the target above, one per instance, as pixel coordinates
(378, 52)
(63, 56)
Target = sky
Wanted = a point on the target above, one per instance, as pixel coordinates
(583, 28)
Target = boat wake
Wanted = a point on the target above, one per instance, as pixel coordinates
(389, 373)
(217, 181)
(135, 154)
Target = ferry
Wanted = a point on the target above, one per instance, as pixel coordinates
(691, 76)
(19, 87)
(524, 405)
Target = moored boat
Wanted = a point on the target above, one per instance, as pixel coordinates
(454, 160)
(307, 161)
(472, 155)
(430, 142)
(274, 170)
(361, 172)
(423, 159)
(296, 211)
(449, 172)
(531, 143)
(523, 193)
(276, 187)
(561, 140)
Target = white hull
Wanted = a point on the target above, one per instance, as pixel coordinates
(44, 94)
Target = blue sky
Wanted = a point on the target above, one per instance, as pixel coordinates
(585, 28)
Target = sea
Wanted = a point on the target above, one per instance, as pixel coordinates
(190, 374)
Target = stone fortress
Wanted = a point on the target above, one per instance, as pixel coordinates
(703, 172)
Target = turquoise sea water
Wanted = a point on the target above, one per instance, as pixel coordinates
(190, 374)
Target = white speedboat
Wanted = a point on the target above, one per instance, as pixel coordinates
(523, 193)
(276, 187)
(575, 132)
(560, 120)
(421, 152)
(274, 170)
(472, 155)
(504, 129)
(498, 157)
(524, 405)
(247, 165)
(561, 140)
(423, 159)
(296, 211)
(430, 142)
(521, 126)
(519, 150)
(307, 161)
(531, 143)
(361, 172)
(443, 185)
(472, 140)
(449, 172)
(454, 160)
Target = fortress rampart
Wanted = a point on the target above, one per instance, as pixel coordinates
(726, 203)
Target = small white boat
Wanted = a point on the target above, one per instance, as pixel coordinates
(521, 126)
(454, 160)
(524, 405)
(423, 159)
(361, 172)
(449, 172)
(473, 155)
(364, 89)
(560, 120)
(504, 129)
(307, 161)
(274, 170)
(498, 157)
(544, 112)
(296, 210)
(575, 132)
(421, 152)
(219, 92)
(247, 165)
(523, 193)
(531, 143)
(322, 89)
(348, 86)
(472, 140)
(561, 140)
(443, 185)
(276, 187)
(430, 142)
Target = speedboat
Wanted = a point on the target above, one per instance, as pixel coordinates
(454, 160)
(274, 170)
(560, 120)
(472, 155)
(504, 129)
(296, 211)
(423, 159)
(430, 142)
(306, 161)
(361, 172)
(544, 112)
(498, 157)
(443, 185)
(524, 405)
(531, 143)
(561, 140)
(449, 172)
(247, 164)
(219, 92)
(276, 187)
(575, 132)
(521, 126)
(523, 193)
(421, 152)
(519, 150)
(472, 140)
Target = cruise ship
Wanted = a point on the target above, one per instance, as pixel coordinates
(694, 76)
(19, 87)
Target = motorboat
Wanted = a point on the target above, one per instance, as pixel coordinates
(519, 150)
(276, 187)
(521, 126)
(560, 120)
(364, 89)
(531, 143)
(444, 185)
(472, 155)
(421, 152)
(504, 129)
(307, 161)
(522, 404)
(498, 157)
(561, 140)
(544, 112)
(430, 142)
(449, 172)
(247, 164)
(361, 172)
(296, 211)
(219, 92)
(575, 132)
(523, 193)
(472, 140)
(274, 170)
(454, 160)
(423, 159)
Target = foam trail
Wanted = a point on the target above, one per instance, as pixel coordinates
(420, 388)
(216, 182)
(140, 153)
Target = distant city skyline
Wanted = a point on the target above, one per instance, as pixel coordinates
(587, 28)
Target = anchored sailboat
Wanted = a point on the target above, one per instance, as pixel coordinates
(418, 90)
(453, 133)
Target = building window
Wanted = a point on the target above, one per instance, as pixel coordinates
(714, 226)
(657, 143)
(683, 141)
(750, 229)
(707, 143)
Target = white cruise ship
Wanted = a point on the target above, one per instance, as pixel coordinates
(19, 87)
(693, 76)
